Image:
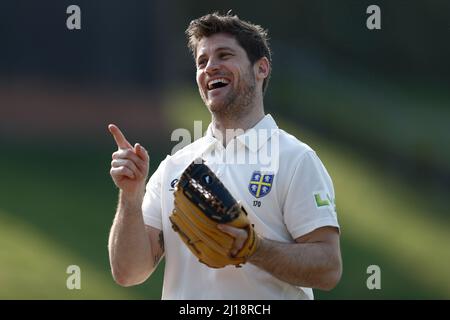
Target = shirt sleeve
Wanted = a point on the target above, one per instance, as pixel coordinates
(151, 205)
(310, 201)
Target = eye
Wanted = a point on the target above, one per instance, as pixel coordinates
(201, 63)
(225, 55)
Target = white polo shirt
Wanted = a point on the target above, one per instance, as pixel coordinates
(285, 199)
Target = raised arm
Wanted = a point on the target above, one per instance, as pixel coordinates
(134, 248)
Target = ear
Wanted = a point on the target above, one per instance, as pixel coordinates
(262, 68)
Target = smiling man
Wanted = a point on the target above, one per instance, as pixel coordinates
(291, 207)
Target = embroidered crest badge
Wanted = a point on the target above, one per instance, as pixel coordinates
(260, 184)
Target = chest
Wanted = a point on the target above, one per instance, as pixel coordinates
(257, 189)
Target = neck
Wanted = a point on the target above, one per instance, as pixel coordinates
(225, 127)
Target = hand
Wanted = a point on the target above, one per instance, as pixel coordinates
(239, 235)
(129, 167)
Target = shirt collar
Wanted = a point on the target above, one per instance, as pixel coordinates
(253, 138)
(256, 137)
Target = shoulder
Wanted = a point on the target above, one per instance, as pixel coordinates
(302, 159)
(292, 147)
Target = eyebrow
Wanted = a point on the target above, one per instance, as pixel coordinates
(218, 49)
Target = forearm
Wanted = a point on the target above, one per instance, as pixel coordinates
(313, 265)
(129, 248)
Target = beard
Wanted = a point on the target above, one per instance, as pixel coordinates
(238, 102)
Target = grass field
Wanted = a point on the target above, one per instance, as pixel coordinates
(57, 205)
(56, 208)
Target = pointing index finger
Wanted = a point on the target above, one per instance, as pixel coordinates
(120, 139)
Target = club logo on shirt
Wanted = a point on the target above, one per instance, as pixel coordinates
(323, 199)
(260, 184)
(173, 184)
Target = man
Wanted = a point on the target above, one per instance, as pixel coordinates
(291, 207)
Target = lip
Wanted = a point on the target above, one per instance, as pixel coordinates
(218, 92)
(215, 78)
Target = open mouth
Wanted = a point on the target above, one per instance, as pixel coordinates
(217, 83)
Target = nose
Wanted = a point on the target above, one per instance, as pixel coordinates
(212, 66)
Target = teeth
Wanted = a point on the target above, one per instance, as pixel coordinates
(210, 83)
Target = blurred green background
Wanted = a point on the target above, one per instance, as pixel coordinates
(375, 105)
